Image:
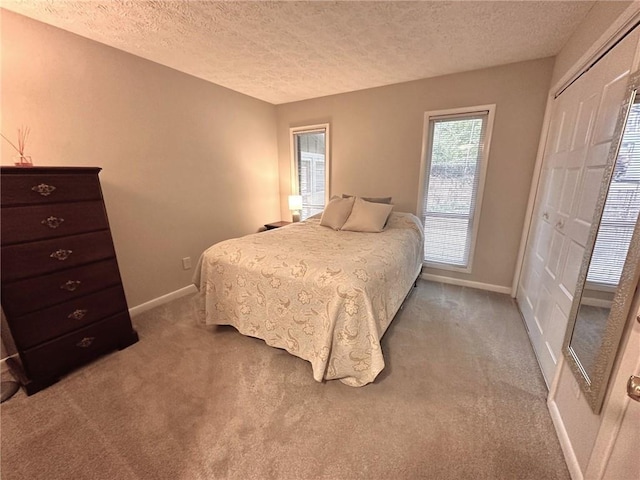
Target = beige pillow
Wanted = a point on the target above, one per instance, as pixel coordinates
(386, 200)
(367, 216)
(336, 212)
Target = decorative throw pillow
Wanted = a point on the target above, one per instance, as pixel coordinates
(386, 200)
(367, 216)
(336, 212)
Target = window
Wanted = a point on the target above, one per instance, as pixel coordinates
(310, 167)
(621, 209)
(456, 150)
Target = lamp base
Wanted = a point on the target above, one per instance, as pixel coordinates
(295, 217)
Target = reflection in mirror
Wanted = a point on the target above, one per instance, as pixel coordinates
(611, 265)
(616, 228)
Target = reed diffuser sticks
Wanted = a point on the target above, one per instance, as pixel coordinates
(23, 134)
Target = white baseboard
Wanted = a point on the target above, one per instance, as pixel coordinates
(137, 310)
(565, 443)
(466, 283)
(596, 302)
(156, 302)
(3, 365)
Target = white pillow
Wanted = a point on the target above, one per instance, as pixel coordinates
(367, 216)
(336, 212)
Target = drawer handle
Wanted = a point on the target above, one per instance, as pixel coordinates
(52, 222)
(560, 224)
(61, 254)
(85, 342)
(70, 285)
(44, 189)
(78, 314)
(545, 215)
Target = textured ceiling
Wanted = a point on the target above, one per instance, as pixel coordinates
(287, 51)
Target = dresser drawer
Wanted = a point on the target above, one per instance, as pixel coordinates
(78, 347)
(18, 297)
(28, 224)
(37, 327)
(61, 288)
(48, 256)
(27, 189)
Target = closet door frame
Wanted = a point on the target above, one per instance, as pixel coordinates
(618, 30)
(529, 286)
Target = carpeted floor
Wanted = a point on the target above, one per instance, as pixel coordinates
(461, 397)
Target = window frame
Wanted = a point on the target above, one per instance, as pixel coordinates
(319, 127)
(425, 168)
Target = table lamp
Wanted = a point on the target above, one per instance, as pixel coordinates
(295, 205)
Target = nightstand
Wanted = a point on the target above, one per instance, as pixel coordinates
(271, 226)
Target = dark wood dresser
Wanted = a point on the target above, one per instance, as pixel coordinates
(62, 294)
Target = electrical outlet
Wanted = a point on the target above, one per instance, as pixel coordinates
(186, 263)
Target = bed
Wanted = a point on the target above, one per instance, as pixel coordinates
(323, 295)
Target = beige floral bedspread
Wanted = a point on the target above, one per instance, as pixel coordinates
(325, 296)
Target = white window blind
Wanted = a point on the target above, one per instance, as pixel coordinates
(456, 152)
(621, 208)
(310, 164)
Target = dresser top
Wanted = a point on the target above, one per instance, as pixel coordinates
(6, 170)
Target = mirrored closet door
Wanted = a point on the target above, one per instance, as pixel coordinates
(583, 122)
(610, 266)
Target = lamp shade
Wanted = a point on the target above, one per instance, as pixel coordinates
(295, 202)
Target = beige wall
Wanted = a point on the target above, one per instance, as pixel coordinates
(599, 18)
(376, 142)
(185, 163)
